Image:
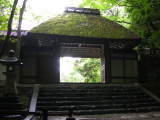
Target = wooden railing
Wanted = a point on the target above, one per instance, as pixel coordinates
(33, 103)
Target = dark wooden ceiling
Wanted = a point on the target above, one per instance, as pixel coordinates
(76, 46)
(80, 50)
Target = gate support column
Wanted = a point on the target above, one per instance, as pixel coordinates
(107, 58)
(57, 62)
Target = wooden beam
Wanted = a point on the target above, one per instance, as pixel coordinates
(32, 108)
(81, 55)
(107, 57)
(148, 92)
(29, 117)
(56, 63)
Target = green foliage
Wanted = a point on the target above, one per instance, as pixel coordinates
(140, 16)
(111, 9)
(73, 77)
(145, 18)
(98, 4)
(89, 68)
(5, 10)
(67, 73)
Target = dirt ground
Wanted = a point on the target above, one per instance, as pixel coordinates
(126, 116)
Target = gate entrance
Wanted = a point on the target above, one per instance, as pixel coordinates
(41, 59)
(79, 70)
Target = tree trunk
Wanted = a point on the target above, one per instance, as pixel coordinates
(18, 43)
(9, 28)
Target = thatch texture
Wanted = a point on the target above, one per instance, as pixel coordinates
(85, 25)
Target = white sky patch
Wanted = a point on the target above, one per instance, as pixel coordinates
(66, 64)
(39, 11)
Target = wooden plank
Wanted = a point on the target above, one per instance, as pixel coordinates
(148, 92)
(29, 117)
(33, 103)
(107, 62)
(57, 63)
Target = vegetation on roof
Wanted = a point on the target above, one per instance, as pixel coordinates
(85, 25)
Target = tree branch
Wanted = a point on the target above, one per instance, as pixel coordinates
(153, 26)
(124, 5)
(111, 12)
(20, 18)
(18, 43)
(123, 22)
(9, 28)
(19, 27)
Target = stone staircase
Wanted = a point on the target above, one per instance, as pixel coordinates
(94, 99)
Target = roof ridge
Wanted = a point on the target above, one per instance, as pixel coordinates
(82, 10)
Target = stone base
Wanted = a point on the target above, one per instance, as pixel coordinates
(70, 118)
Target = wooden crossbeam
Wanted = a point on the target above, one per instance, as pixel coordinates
(33, 103)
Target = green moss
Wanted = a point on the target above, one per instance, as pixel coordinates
(83, 25)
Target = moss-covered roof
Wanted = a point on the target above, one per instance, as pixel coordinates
(85, 25)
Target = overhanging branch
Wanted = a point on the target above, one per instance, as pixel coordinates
(123, 22)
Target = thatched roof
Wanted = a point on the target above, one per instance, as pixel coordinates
(85, 25)
(81, 32)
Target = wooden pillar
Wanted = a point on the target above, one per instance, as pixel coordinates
(102, 67)
(107, 58)
(56, 66)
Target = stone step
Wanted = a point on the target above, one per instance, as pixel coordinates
(14, 99)
(107, 111)
(88, 90)
(77, 94)
(95, 107)
(63, 103)
(88, 86)
(107, 87)
(102, 111)
(92, 98)
(23, 113)
(12, 106)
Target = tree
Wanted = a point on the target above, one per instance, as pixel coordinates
(9, 29)
(111, 9)
(145, 18)
(74, 77)
(140, 16)
(5, 7)
(67, 72)
(19, 27)
(89, 68)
